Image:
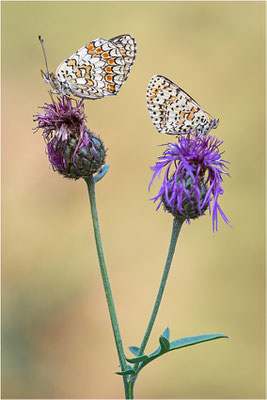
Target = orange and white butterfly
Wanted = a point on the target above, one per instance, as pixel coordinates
(173, 111)
(98, 69)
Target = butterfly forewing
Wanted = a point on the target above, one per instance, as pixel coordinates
(173, 111)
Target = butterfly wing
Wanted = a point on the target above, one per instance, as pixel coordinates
(94, 71)
(127, 46)
(173, 111)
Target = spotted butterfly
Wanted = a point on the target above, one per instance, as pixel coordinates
(173, 111)
(98, 69)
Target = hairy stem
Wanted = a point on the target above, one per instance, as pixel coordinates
(177, 224)
(112, 312)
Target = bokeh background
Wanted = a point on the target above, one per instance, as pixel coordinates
(56, 335)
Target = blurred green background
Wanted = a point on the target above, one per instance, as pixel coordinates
(56, 336)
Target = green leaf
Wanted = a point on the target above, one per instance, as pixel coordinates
(129, 371)
(164, 343)
(189, 341)
(101, 173)
(166, 333)
(166, 346)
(134, 350)
(137, 359)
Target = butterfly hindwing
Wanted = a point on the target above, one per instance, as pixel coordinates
(173, 111)
(127, 46)
(98, 69)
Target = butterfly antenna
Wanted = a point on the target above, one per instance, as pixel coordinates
(42, 43)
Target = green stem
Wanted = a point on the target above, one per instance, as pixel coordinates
(112, 312)
(177, 224)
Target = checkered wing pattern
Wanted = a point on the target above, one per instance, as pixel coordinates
(173, 111)
(98, 69)
(127, 46)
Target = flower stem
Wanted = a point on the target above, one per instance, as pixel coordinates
(112, 312)
(177, 224)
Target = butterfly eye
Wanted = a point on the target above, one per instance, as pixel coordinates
(47, 75)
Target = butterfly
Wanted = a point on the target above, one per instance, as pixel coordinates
(97, 70)
(173, 111)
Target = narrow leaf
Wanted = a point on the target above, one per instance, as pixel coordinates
(101, 173)
(137, 359)
(134, 350)
(127, 372)
(166, 333)
(166, 346)
(191, 340)
(164, 343)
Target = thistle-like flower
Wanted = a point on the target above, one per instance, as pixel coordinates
(192, 178)
(72, 149)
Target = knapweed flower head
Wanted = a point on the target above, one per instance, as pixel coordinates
(72, 149)
(192, 178)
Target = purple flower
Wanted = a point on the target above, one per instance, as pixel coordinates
(62, 119)
(192, 178)
(72, 149)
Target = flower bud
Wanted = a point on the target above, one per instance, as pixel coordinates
(186, 204)
(76, 158)
(72, 149)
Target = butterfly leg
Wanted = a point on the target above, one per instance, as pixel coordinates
(51, 95)
(76, 101)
